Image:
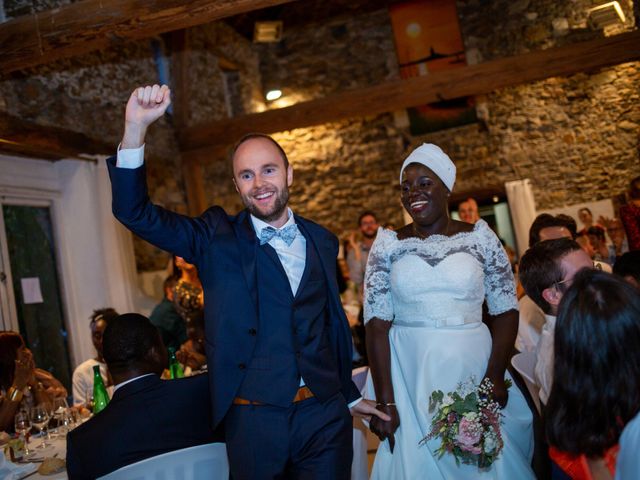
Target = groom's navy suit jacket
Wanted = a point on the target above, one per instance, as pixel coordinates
(224, 248)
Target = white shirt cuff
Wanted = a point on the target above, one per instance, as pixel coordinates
(130, 157)
(355, 402)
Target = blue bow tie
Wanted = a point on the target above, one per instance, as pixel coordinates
(288, 234)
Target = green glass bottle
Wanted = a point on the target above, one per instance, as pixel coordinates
(100, 396)
(175, 369)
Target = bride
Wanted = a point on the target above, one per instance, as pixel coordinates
(424, 289)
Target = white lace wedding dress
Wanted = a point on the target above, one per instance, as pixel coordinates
(433, 290)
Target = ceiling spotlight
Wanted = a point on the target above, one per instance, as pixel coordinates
(273, 95)
(605, 15)
(267, 32)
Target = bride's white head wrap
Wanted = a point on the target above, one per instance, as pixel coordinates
(432, 157)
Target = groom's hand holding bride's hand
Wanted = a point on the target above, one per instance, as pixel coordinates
(367, 409)
(384, 428)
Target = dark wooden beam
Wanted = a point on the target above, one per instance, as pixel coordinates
(472, 80)
(194, 183)
(19, 137)
(89, 25)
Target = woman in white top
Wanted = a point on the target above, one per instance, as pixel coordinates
(424, 289)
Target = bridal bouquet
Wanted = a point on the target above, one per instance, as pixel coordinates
(467, 421)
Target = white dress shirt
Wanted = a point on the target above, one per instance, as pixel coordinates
(292, 257)
(530, 323)
(120, 385)
(544, 358)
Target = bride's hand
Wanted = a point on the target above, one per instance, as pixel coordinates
(500, 391)
(385, 430)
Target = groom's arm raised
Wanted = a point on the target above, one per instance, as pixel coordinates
(170, 231)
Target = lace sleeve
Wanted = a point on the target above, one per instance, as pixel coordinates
(377, 288)
(499, 284)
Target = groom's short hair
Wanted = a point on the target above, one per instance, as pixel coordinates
(251, 136)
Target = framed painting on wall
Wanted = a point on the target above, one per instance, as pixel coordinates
(428, 39)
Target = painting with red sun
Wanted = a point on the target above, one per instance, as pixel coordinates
(428, 39)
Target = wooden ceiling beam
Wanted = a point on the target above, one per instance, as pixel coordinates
(81, 27)
(19, 137)
(212, 138)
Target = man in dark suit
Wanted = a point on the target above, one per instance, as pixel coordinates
(277, 340)
(147, 416)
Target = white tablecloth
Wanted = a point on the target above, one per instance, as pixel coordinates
(58, 446)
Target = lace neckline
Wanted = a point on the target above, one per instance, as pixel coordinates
(438, 236)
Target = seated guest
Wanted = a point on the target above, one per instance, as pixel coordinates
(628, 267)
(596, 378)
(147, 416)
(192, 352)
(82, 379)
(167, 319)
(546, 271)
(22, 385)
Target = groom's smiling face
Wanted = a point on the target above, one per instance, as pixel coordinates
(263, 179)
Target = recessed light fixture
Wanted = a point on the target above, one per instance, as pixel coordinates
(605, 15)
(273, 95)
(267, 32)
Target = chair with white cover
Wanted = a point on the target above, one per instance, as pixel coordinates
(203, 462)
(525, 364)
(360, 465)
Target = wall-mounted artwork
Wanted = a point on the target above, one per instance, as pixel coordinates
(428, 39)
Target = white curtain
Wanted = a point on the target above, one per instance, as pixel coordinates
(523, 211)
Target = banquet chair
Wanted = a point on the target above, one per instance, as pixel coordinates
(202, 462)
(525, 363)
(360, 464)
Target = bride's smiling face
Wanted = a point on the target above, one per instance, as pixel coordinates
(423, 194)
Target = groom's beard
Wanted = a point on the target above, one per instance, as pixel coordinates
(272, 213)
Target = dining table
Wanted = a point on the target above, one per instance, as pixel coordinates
(56, 447)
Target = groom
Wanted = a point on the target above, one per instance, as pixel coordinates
(277, 341)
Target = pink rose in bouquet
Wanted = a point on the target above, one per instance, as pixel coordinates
(469, 434)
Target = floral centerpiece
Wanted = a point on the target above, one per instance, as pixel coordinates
(467, 421)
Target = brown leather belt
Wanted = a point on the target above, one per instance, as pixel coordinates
(303, 393)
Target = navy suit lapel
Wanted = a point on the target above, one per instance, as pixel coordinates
(323, 249)
(307, 264)
(247, 244)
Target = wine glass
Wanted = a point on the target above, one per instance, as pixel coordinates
(22, 425)
(60, 408)
(89, 397)
(40, 419)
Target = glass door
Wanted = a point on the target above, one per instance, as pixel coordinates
(31, 285)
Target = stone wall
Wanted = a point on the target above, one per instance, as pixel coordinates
(576, 138)
(88, 94)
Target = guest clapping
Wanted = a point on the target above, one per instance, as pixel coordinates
(22, 385)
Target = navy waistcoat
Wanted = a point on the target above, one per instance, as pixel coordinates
(292, 340)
